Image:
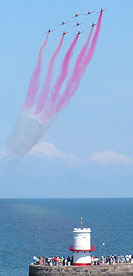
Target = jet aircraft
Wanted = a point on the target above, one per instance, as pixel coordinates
(89, 12)
(64, 33)
(102, 10)
(92, 25)
(77, 24)
(49, 31)
(63, 23)
(76, 15)
(79, 32)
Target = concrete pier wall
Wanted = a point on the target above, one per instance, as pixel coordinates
(102, 270)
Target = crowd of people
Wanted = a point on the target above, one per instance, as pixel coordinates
(53, 261)
(68, 261)
(112, 259)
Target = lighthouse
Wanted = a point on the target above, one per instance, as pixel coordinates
(82, 246)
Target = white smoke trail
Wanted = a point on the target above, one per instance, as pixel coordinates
(27, 133)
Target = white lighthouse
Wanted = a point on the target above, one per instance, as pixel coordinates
(81, 246)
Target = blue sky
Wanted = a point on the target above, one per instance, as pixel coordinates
(88, 150)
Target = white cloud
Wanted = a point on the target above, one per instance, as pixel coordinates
(109, 156)
(48, 150)
(103, 157)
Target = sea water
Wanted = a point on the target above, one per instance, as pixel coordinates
(43, 227)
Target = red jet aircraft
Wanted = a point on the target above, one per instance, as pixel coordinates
(49, 31)
(92, 25)
(63, 23)
(77, 24)
(102, 10)
(76, 15)
(64, 33)
(89, 12)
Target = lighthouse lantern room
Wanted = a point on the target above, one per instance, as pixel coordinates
(81, 245)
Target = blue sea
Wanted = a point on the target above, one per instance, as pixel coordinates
(43, 227)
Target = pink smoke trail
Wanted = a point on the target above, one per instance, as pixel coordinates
(91, 51)
(74, 81)
(64, 71)
(46, 86)
(77, 67)
(35, 78)
(50, 110)
(81, 56)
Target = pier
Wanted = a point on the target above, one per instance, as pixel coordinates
(101, 270)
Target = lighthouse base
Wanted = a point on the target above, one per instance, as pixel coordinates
(81, 258)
